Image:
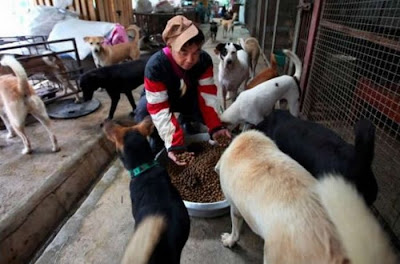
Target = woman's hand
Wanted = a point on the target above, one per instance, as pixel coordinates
(181, 158)
(220, 134)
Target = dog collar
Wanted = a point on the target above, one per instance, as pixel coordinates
(142, 168)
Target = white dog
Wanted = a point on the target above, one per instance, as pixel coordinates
(275, 196)
(362, 236)
(233, 69)
(253, 105)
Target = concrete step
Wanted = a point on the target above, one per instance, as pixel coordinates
(100, 229)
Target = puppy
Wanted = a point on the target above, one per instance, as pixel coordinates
(159, 212)
(265, 75)
(17, 100)
(228, 25)
(233, 69)
(116, 79)
(321, 150)
(251, 46)
(253, 105)
(362, 236)
(109, 55)
(275, 196)
(51, 66)
(213, 30)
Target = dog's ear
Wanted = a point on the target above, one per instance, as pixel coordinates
(114, 132)
(146, 127)
(238, 47)
(86, 39)
(219, 48)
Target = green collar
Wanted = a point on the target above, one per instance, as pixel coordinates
(142, 168)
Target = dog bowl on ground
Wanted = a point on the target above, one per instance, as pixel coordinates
(199, 209)
(69, 109)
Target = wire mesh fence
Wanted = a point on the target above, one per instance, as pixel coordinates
(356, 74)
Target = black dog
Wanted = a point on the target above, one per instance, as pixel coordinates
(152, 196)
(320, 150)
(213, 30)
(116, 79)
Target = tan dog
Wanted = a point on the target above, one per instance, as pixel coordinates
(51, 66)
(227, 25)
(251, 46)
(275, 196)
(109, 55)
(17, 99)
(265, 75)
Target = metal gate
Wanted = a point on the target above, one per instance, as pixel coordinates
(355, 73)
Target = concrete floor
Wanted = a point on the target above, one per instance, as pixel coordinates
(40, 192)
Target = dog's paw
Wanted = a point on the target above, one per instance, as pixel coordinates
(26, 151)
(227, 240)
(55, 149)
(10, 135)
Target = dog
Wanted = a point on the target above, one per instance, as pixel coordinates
(253, 105)
(116, 80)
(109, 55)
(228, 25)
(275, 196)
(362, 236)
(264, 75)
(160, 215)
(213, 30)
(17, 100)
(252, 47)
(50, 65)
(320, 150)
(233, 69)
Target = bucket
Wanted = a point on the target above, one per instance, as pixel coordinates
(280, 58)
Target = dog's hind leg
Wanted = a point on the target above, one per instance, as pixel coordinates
(229, 240)
(39, 112)
(114, 102)
(131, 101)
(10, 130)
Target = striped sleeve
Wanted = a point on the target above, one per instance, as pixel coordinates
(208, 100)
(158, 106)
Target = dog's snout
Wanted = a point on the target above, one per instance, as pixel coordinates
(96, 50)
(229, 61)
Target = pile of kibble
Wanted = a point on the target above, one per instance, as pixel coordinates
(197, 181)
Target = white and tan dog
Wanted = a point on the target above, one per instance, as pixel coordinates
(228, 25)
(275, 196)
(253, 105)
(362, 236)
(17, 100)
(252, 47)
(109, 55)
(233, 69)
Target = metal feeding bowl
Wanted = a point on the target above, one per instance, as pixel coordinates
(206, 210)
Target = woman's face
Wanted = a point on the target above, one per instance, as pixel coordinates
(187, 57)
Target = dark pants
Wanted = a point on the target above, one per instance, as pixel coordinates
(186, 117)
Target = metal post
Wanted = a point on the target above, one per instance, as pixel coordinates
(258, 18)
(275, 24)
(265, 25)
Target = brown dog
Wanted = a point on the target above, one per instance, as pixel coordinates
(51, 66)
(265, 75)
(275, 196)
(227, 25)
(17, 100)
(109, 55)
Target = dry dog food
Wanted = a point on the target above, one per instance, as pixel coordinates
(184, 157)
(198, 182)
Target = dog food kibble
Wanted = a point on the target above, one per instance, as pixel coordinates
(185, 157)
(223, 141)
(198, 182)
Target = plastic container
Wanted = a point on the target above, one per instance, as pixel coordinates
(206, 210)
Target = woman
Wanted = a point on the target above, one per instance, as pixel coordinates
(179, 79)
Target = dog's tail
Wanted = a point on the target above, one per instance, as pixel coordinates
(362, 236)
(297, 63)
(135, 29)
(144, 240)
(19, 71)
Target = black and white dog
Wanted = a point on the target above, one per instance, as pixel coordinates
(116, 79)
(253, 105)
(320, 150)
(233, 70)
(161, 219)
